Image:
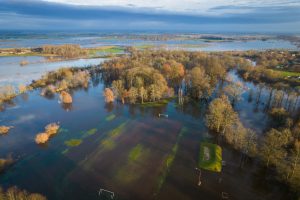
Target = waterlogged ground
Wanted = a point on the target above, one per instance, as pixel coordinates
(125, 149)
(11, 40)
(11, 72)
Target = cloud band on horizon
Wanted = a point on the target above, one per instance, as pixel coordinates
(44, 15)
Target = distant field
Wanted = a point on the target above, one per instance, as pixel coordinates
(288, 73)
(210, 157)
(106, 49)
(144, 46)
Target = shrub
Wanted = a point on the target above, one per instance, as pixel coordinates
(24, 62)
(22, 88)
(41, 138)
(48, 90)
(7, 92)
(109, 95)
(62, 85)
(50, 130)
(80, 79)
(65, 97)
(14, 193)
(63, 79)
(5, 129)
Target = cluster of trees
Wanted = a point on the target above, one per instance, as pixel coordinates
(145, 76)
(8, 92)
(59, 81)
(50, 130)
(222, 119)
(287, 98)
(278, 149)
(62, 79)
(264, 74)
(5, 129)
(15, 193)
(270, 66)
(66, 50)
(282, 59)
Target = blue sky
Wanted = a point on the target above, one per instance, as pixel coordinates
(259, 16)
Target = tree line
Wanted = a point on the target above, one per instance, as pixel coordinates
(66, 50)
(278, 148)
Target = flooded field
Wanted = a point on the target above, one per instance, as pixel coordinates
(126, 149)
(149, 100)
(12, 72)
(23, 69)
(178, 42)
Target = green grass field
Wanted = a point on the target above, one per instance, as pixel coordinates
(210, 157)
(73, 142)
(144, 46)
(110, 117)
(135, 153)
(169, 159)
(106, 50)
(288, 73)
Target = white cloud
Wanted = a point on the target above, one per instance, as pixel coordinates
(184, 6)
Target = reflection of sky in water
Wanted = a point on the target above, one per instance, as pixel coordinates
(94, 41)
(248, 45)
(253, 114)
(12, 73)
(54, 173)
(86, 168)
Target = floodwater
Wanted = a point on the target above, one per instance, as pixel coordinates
(246, 45)
(96, 40)
(11, 72)
(124, 149)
